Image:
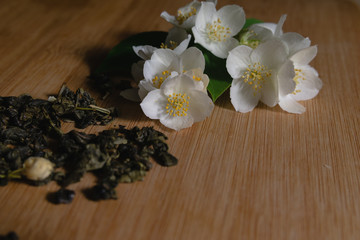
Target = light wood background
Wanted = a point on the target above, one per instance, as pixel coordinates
(261, 175)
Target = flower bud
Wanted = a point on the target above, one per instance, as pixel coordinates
(37, 168)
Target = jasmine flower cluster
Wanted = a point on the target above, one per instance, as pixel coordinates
(265, 64)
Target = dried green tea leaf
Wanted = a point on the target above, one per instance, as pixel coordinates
(81, 108)
(10, 236)
(62, 196)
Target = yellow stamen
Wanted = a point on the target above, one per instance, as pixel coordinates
(157, 81)
(172, 45)
(178, 104)
(196, 78)
(299, 75)
(256, 75)
(217, 32)
(182, 17)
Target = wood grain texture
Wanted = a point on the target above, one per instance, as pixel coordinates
(266, 174)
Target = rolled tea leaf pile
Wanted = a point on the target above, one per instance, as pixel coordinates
(31, 128)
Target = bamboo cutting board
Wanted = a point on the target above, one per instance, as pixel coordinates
(266, 174)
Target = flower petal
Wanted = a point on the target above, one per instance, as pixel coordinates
(286, 76)
(268, 26)
(263, 32)
(278, 30)
(171, 19)
(272, 54)
(164, 56)
(161, 60)
(178, 84)
(177, 123)
(222, 49)
(192, 58)
(154, 104)
(190, 6)
(269, 92)
(200, 106)
(205, 15)
(152, 69)
(145, 52)
(145, 87)
(309, 84)
(304, 56)
(201, 80)
(242, 96)
(200, 37)
(176, 34)
(183, 45)
(295, 42)
(190, 19)
(290, 105)
(238, 60)
(233, 17)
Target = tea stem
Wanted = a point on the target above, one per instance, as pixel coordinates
(14, 174)
(95, 108)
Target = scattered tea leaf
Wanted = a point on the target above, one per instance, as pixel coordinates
(62, 196)
(10, 236)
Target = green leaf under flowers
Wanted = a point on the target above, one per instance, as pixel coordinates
(122, 56)
(251, 21)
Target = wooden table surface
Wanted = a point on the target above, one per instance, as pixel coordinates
(266, 174)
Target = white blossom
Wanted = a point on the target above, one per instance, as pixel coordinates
(165, 63)
(262, 32)
(177, 40)
(215, 30)
(299, 52)
(177, 103)
(308, 83)
(186, 15)
(261, 74)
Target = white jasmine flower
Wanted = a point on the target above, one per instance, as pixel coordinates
(37, 168)
(262, 32)
(185, 15)
(215, 30)
(260, 74)
(177, 39)
(299, 51)
(177, 103)
(165, 63)
(308, 83)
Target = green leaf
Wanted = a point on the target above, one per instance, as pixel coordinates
(122, 56)
(251, 21)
